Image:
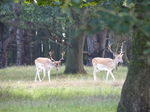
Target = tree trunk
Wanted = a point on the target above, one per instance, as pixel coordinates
(96, 46)
(20, 50)
(6, 43)
(19, 34)
(1, 44)
(27, 48)
(74, 62)
(135, 96)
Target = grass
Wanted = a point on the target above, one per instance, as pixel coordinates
(65, 93)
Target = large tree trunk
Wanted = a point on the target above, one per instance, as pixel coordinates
(74, 62)
(135, 96)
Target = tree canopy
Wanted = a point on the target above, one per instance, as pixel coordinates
(117, 15)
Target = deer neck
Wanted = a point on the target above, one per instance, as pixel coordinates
(115, 62)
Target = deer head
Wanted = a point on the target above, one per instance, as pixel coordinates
(118, 57)
(56, 63)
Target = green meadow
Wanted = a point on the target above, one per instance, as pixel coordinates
(65, 92)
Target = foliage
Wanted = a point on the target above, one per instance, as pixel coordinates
(118, 15)
(65, 3)
(5, 9)
(4, 2)
(43, 15)
(37, 19)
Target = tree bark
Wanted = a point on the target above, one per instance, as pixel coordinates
(1, 44)
(6, 43)
(74, 63)
(96, 46)
(135, 96)
(20, 48)
(27, 48)
(19, 34)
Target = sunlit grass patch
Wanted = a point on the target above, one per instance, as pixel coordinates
(65, 93)
(37, 92)
(60, 99)
(16, 73)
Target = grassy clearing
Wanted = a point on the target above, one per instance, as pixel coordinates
(65, 93)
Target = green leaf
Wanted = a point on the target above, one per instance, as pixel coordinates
(27, 1)
(77, 1)
(146, 29)
(147, 51)
(16, 1)
(129, 1)
(93, 3)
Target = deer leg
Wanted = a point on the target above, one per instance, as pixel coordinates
(36, 74)
(49, 75)
(112, 75)
(107, 76)
(43, 74)
(94, 74)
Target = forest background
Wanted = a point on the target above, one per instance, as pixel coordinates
(28, 31)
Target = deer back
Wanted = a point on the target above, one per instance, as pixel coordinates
(44, 62)
(102, 61)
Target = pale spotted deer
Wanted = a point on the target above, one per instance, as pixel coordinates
(107, 64)
(46, 64)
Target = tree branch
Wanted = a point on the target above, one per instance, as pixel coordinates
(58, 39)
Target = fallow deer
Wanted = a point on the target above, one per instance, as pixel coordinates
(44, 64)
(107, 64)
